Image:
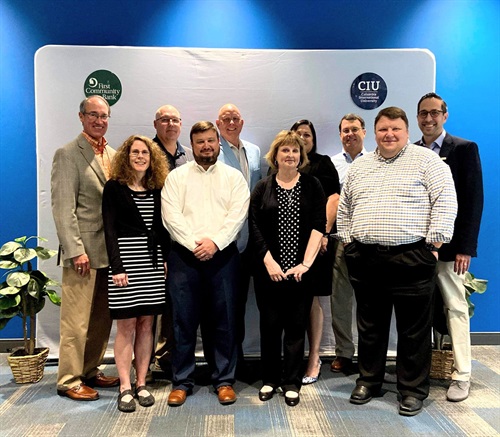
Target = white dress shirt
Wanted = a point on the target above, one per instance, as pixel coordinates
(342, 161)
(198, 203)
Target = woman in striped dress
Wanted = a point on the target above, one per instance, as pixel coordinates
(137, 245)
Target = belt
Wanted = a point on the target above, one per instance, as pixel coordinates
(400, 248)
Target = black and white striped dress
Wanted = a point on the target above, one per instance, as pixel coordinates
(145, 293)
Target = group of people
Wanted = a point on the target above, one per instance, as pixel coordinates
(164, 239)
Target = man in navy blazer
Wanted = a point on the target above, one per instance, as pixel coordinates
(454, 258)
(245, 157)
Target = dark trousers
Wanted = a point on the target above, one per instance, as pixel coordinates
(241, 301)
(284, 314)
(203, 289)
(400, 278)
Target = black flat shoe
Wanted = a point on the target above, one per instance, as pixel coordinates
(147, 400)
(361, 395)
(266, 395)
(126, 407)
(410, 406)
(291, 401)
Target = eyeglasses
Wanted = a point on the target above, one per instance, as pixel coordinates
(354, 130)
(167, 120)
(136, 153)
(228, 120)
(434, 113)
(93, 116)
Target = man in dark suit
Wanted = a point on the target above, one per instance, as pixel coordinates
(454, 258)
(79, 171)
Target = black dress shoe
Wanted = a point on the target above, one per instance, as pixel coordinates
(266, 395)
(361, 395)
(410, 406)
(291, 401)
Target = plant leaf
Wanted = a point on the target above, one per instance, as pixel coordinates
(7, 264)
(39, 305)
(18, 279)
(9, 248)
(481, 285)
(54, 297)
(6, 291)
(45, 254)
(52, 283)
(8, 313)
(24, 254)
(9, 302)
(34, 288)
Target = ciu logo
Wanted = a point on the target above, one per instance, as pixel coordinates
(369, 85)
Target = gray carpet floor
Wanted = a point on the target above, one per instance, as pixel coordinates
(324, 410)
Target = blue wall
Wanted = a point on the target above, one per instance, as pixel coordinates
(464, 36)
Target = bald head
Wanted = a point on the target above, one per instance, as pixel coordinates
(230, 123)
(168, 125)
(167, 109)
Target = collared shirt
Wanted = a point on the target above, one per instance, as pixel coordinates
(399, 200)
(102, 156)
(342, 161)
(241, 156)
(198, 203)
(182, 154)
(437, 144)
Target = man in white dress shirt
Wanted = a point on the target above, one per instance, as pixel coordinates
(352, 134)
(204, 205)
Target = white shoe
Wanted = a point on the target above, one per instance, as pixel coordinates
(458, 391)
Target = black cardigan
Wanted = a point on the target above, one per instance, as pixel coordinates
(263, 216)
(122, 219)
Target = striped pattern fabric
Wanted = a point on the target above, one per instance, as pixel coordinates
(145, 294)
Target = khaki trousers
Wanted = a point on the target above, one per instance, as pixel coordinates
(342, 301)
(84, 326)
(457, 315)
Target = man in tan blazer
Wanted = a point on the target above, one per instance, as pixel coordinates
(79, 172)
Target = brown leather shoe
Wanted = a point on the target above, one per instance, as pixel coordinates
(79, 393)
(177, 397)
(103, 381)
(226, 394)
(340, 364)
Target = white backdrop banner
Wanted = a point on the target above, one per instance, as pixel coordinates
(272, 88)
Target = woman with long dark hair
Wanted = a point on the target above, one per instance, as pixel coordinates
(321, 167)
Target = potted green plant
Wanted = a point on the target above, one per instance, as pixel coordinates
(473, 285)
(23, 293)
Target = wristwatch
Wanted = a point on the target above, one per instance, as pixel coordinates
(431, 247)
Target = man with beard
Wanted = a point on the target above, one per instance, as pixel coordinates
(204, 205)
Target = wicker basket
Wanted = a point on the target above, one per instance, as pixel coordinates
(441, 364)
(28, 368)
